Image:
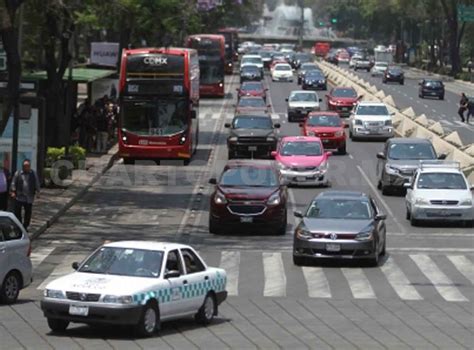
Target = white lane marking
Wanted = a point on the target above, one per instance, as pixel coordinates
(275, 278)
(230, 261)
(464, 265)
(291, 196)
(351, 156)
(432, 249)
(380, 198)
(426, 106)
(358, 283)
(38, 255)
(446, 122)
(399, 281)
(318, 285)
(440, 281)
(411, 98)
(434, 110)
(275, 116)
(215, 116)
(62, 269)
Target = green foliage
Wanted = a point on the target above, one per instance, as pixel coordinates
(53, 154)
(77, 154)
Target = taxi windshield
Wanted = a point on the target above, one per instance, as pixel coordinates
(339, 209)
(301, 148)
(124, 262)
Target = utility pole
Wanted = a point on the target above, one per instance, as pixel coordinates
(301, 34)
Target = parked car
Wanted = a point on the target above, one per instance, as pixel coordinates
(314, 80)
(339, 224)
(329, 127)
(282, 72)
(431, 88)
(399, 160)
(300, 103)
(439, 192)
(15, 264)
(252, 104)
(250, 73)
(305, 67)
(250, 88)
(371, 120)
(138, 284)
(302, 160)
(378, 69)
(393, 74)
(249, 197)
(342, 99)
(251, 136)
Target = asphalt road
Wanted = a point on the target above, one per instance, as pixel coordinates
(420, 297)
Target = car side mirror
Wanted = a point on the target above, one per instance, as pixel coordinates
(75, 265)
(328, 154)
(277, 125)
(442, 156)
(298, 214)
(227, 125)
(380, 217)
(172, 274)
(472, 187)
(407, 185)
(381, 155)
(193, 115)
(213, 181)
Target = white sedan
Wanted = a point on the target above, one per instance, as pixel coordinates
(136, 283)
(282, 72)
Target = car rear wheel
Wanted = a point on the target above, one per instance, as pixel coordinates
(282, 229)
(299, 260)
(149, 321)
(230, 155)
(206, 313)
(57, 325)
(10, 288)
(384, 247)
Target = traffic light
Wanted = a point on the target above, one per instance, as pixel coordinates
(333, 20)
(321, 24)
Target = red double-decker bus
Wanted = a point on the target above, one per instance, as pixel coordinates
(231, 44)
(159, 102)
(211, 51)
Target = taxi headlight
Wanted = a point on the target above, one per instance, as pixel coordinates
(219, 198)
(364, 236)
(118, 299)
(52, 293)
(303, 232)
(421, 201)
(466, 202)
(324, 167)
(283, 166)
(274, 199)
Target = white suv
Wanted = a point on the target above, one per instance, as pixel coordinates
(15, 263)
(371, 120)
(251, 60)
(439, 191)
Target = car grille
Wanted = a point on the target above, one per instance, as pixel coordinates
(407, 172)
(309, 168)
(325, 134)
(240, 209)
(373, 124)
(82, 296)
(443, 202)
(338, 236)
(250, 139)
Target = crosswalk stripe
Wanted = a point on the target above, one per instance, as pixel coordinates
(358, 283)
(275, 278)
(440, 281)
(275, 116)
(318, 285)
(62, 269)
(464, 265)
(40, 254)
(399, 281)
(230, 262)
(446, 122)
(216, 116)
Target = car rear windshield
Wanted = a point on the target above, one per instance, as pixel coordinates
(314, 74)
(372, 110)
(255, 60)
(250, 69)
(411, 151)
(284, 67)
(251, 86)
(124, 262)
(250, 177)
(323, 120)
(301, 148)
(251, 102)
(436, 84)
(252, 123)
(441, 181)
(303, 97)
(344, 93)
(349, 209)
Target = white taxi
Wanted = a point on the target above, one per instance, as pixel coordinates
(439, 191)
(136, 283)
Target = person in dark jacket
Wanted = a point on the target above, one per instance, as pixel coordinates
(470, 109)
(24, 187)
(4, 187)
(463, 106)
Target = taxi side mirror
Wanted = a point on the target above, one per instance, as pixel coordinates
(75, 265)
(172, 274)
(273, 154)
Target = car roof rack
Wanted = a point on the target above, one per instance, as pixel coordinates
(439, 164)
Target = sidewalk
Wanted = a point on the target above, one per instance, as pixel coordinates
(54, 202)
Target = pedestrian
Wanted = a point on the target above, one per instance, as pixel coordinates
(4, 187)
(470, 109)
(463, 106)
(24, 187)
(102, 127)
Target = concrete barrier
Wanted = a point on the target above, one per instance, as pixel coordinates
(423, 120)
(454, 139)
(389, 101)
(437, 128)
(409, 112)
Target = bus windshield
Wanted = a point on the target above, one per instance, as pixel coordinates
(160, 117)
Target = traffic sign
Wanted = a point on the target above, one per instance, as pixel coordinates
(466, 13)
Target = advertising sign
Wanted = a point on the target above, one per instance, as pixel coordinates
(105, 54)
(102, 87)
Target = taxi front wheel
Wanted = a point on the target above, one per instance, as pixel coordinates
(149, 322)
(207, 311)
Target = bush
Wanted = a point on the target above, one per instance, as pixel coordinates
(77, 154)
(466, 76)
(53, 154)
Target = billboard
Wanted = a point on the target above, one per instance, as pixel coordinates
(105, 54)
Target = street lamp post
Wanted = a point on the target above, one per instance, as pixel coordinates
(301, 33)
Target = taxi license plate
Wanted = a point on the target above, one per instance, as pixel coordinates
(246, 219)
(252, 148)
(330, 247)
(78, 310)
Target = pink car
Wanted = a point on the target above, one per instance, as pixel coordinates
(302, 160)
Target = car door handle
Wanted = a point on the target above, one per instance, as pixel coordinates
(185, 282)
(206, 278)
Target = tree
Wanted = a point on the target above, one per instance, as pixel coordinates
(9, 35)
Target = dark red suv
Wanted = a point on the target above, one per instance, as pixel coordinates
(250, 196)
(252, 88)
(342, 100)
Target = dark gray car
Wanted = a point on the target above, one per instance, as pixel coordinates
(399, 160)
(339, 224)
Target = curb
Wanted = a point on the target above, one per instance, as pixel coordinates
(73, 200)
